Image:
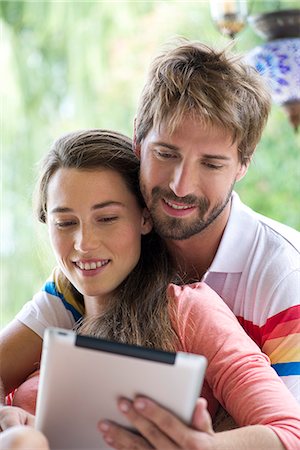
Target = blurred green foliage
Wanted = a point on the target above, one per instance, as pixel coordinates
(68, 65)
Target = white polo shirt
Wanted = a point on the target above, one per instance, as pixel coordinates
(257, 273)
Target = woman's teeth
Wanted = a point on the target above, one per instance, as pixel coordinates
(91, 266)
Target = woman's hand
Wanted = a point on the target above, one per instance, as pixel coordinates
(159, 428)
(23, 438)
(12, 415)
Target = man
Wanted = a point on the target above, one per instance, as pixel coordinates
(200, 117)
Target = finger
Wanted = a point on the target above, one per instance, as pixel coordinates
(201, 418)
(23, 437)
(120, 438)
(12, 416)
(165, 422)
(30, 420)
(11, 421)
(146, 426)
(184, 436)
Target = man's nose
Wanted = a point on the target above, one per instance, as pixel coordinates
(184, 180)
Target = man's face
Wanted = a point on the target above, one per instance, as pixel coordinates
(187, 177)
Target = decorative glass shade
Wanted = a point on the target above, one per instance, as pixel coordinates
(229, 16)
(279, 62)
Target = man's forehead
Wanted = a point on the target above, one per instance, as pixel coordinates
(171, 128)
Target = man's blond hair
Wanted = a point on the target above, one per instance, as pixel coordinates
(214, 87)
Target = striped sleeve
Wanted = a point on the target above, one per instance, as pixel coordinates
(279, 338)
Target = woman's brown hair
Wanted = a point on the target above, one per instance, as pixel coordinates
(138, 311)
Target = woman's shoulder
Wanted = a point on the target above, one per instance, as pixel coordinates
(199, 293)
(50, 307)
(197, 306)
(58, 286)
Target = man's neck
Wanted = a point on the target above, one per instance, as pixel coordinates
(195, 255)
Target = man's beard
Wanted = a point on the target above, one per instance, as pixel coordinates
(181, 228)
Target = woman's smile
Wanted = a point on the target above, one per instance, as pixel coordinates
(91, 267)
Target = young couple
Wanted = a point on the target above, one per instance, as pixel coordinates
(193, 142)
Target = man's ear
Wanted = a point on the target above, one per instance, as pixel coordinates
(242, 171)
(136, 147)
(147, 224)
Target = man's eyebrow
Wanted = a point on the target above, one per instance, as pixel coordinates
(223, 157)
(63, 209)
(164, 144)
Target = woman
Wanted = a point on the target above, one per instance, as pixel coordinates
(115, 280)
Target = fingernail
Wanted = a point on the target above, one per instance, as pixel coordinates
(124, 406)
(140, 404)
(104, 426)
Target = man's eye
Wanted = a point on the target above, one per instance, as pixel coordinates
(213, 166)
(164, 155)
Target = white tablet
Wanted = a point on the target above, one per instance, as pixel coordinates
(82, 377)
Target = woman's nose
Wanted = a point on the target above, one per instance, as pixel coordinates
(86, 239)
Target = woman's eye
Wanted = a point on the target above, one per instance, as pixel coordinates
(65, 224)
(109, 219)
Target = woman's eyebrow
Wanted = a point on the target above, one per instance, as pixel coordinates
(107, 203)
(64, 209)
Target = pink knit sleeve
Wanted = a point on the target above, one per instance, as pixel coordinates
(25, 395)
(238, 373)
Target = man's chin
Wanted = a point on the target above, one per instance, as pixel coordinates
(169, 231)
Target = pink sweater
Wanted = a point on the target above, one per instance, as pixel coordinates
(238, 375)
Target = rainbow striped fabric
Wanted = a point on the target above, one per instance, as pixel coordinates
(279, 338)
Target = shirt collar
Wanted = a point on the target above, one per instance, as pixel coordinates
(237, 239)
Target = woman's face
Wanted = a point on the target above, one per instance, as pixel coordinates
(95, 226)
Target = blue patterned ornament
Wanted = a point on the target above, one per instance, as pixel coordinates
(279, 62)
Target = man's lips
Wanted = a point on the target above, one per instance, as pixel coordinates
(177, 209)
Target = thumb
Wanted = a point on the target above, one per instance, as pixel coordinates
(201, 420)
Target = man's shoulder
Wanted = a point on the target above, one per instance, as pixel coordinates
(270, 230)
(252, 237)
(287, 233)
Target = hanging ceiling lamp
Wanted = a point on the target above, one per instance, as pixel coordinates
(278, 60)
(229, 16)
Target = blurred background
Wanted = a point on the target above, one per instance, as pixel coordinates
(67, 65)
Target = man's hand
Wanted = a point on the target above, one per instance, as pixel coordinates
(159, 428)
(12, 415)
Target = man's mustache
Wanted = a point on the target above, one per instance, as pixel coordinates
(202, 203)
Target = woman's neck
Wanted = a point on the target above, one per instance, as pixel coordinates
(94, 306)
